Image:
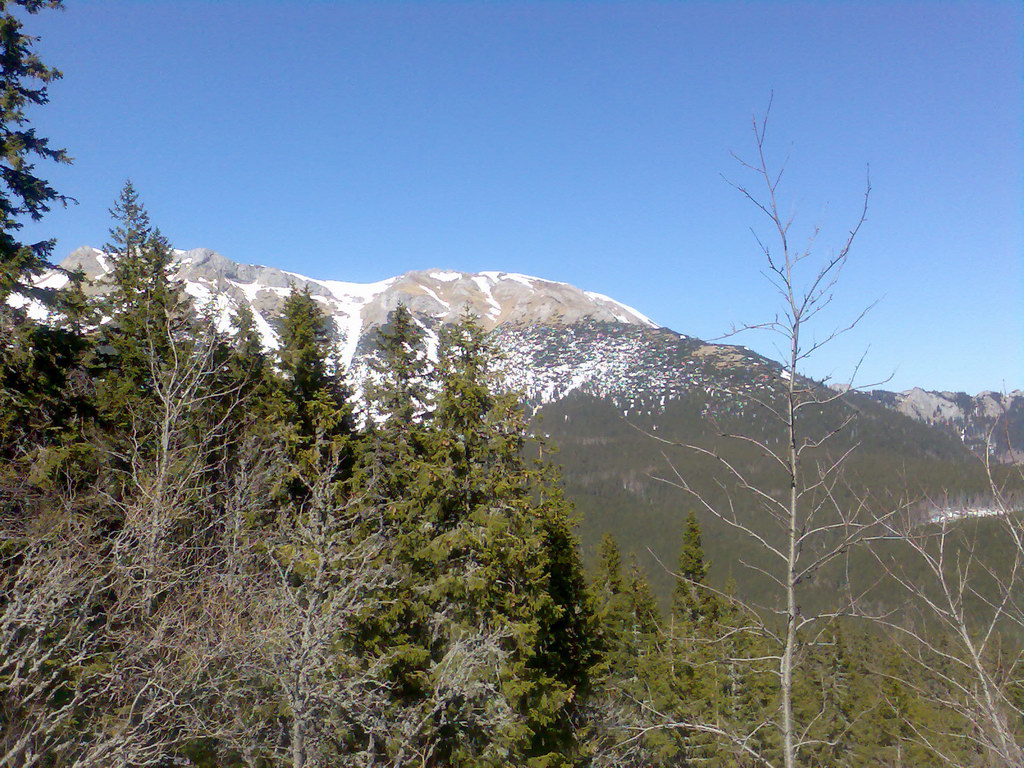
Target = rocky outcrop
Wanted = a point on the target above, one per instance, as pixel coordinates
(988, 423)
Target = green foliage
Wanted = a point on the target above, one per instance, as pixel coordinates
(316, 579)
(23, 85)
(304, 354)
(311, 404)
(500, 557)
(391, 476)
(608, 465)
(204, 560)
(693, 602)
(41, 392)
(393, 450)
(45, 389)
(399, 389)
(151, 323)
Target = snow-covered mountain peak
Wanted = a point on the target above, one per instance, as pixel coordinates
(434, 296)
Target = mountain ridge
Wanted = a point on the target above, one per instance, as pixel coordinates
(988, 422)
(557, 339)
(496, 297)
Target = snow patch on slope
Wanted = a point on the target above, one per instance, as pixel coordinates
(434, 296)
(629, 315)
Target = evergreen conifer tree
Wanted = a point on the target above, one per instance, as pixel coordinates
(745, 688)
(312, 403)
(612, 609)
(692, 602)
(23, 84)
(689, 688)
(45, 388)
(645, 618)
(390, 475)
(502, 568)
(398, 401)
(39, 398)
(305, 352)
(833, 696)
(608, 582)
(399, 389)
(248, 364)
(151, 323)
(897, 724)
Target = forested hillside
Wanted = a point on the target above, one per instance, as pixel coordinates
(212, 554)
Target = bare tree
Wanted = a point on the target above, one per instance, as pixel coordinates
(49, 591)
(964, 619)
(99, 621)
(169, 508)
(466, 695)
(284, 627)
(81, 682)
(798, 521)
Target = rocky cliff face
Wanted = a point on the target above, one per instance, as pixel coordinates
(989, 421)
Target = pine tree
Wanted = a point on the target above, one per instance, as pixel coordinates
(608, 582)
(38, 396)
(645, 619)
(614, 703)
(692, 602)
(151, 325)
(162, 397)
(312, 404)
(390, 476)
(690, 688)
(502, 573)
(651, 677)
(897, 722)
(23, 84)
(45, 389)
(247, 363)
(839, 698)
(305, 350)
(614, 613)
(398, 400)
(130, 237)
(745, 690)
(398, 389)
(239, 401)
(568, 644)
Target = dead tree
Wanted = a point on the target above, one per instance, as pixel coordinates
(163, 494)
(100, 621)
(50, 588)
(283, 627)
(807, 526)
(964, 582)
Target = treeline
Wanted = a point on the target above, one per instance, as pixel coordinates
(213, 555)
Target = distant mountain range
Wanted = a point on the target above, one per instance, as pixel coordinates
(558, 339)
(603, 378)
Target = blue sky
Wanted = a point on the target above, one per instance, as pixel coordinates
(577, 141)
